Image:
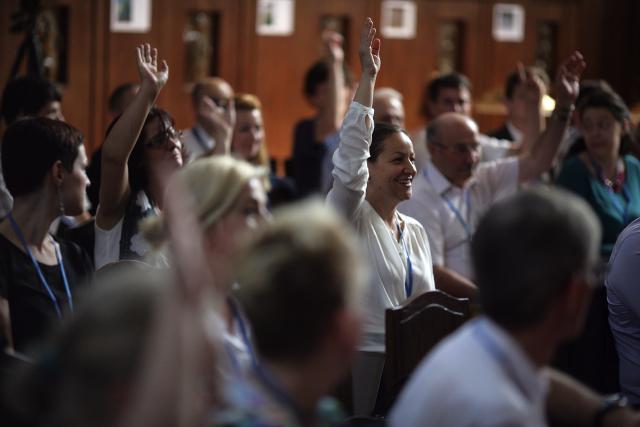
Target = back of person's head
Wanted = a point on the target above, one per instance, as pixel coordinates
(318, 74)
(86, 374)
(212, 184)
(513, 79)
(297, 273)
(31, 146)
(527, 249)
(27, 96)
(121, 97)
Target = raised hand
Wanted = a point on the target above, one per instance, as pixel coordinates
(568, 79)
(218, 122)
(369, 49)
(333, 46)
(151, 76)
(532, 84)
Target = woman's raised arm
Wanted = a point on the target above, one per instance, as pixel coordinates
(350, 173)
(117, 147)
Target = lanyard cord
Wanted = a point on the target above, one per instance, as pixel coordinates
(260, 371)
(200, 139)
(408, 281)
(43, 281)
(465, 225)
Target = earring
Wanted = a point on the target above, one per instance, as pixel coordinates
(60, 202)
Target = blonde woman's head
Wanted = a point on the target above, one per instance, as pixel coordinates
(226, 195)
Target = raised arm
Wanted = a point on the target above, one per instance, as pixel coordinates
(369, 52)
(350, 173)
(218, 122)
(534, 125)
(117, 147)
(567, 83)
(331, 117)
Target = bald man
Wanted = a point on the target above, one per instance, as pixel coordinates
(454, 190)
(212, 100)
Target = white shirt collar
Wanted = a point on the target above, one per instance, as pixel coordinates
(439, 182)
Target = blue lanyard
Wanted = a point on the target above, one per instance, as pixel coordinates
(456, 212)
(244, 333)
(491, 346)
(200, 139)
(260, 371)
(408, 281)
(43, 281)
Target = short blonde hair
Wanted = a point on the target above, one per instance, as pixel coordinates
(213, 184)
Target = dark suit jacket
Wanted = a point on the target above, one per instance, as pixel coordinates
(502, 133)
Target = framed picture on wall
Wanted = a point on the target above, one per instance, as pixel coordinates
(508, 22)
(130, 16)
(275, 17)
(398, 19)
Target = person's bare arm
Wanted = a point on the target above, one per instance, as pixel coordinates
(369, 52)
(535, 121)
(330, 118)
(117, 147)
(570, 403)
(539, 159)
(454, 284)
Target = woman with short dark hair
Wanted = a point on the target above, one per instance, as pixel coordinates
(44, 163)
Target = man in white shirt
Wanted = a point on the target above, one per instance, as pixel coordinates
(453, 190)
(214, 109)
(534, 255)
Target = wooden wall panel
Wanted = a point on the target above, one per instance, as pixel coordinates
(273, 67)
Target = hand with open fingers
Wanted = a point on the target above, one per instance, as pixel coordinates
(568, 79)
(333, 42)
(369, 49)
(151, 75)
(533, 86)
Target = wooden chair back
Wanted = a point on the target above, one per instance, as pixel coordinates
(412, 330)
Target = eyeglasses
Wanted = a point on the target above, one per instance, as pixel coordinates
(460, 149)
(223, 103)
(160, 140)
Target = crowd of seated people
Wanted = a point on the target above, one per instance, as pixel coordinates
(210, 295)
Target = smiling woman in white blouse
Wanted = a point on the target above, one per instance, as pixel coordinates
(373, 172)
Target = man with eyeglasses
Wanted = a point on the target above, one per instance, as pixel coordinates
(451, 93)
(453, 190)
(214, 108)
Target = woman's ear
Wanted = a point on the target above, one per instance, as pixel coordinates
(57, 173)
